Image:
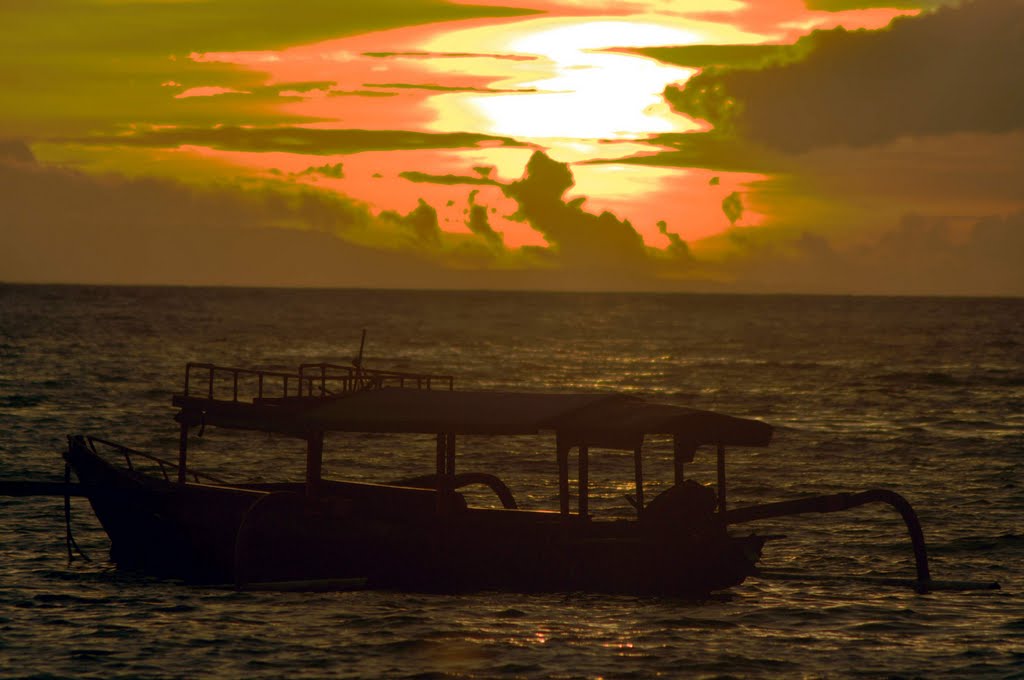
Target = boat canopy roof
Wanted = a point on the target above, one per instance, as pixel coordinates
(604, 420)
(329, 398)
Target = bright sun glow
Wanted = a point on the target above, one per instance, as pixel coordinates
(566, 84)
(574, 90)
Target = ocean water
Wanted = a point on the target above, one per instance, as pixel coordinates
(921, 396)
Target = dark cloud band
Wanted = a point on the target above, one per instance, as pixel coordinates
(957, 70)
(297, 140)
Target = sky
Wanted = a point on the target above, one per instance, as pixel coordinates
(802, 146)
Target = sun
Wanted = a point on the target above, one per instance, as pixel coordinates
(573, 88)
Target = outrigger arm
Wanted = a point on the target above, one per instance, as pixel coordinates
(844, 501)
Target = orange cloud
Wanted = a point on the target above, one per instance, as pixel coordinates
(208, 91)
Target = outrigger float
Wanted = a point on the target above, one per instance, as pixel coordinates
(420, 533)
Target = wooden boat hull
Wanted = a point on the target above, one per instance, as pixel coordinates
(394, 537)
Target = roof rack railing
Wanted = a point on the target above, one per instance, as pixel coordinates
(353, 378)
(320, 380)
(203, 380)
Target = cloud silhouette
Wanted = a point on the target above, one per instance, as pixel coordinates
(921, 255)
(65, 225)
(421, 223)
(845, 5)
(958, 69)
(579, 238)
(333, 170)
(702, 56)
(416, 176)
(732, 207)
(677, 247)
(297, 140)
(867, 187)
(479, 224)
(61, 225)
(16, 151)
(714, 150)
(109, 68)
(360, 93)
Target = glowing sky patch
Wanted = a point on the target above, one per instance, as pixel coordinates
(549, 81)
(208, 91)
(418, 108)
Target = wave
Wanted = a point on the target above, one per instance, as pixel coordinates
(21, 400)
(990, 378)
(979, 543)
(919, 378)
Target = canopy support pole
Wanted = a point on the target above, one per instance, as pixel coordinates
(445, 467)
(584, 490)
(441, 466)
(721, 478)
(563, 477)
(441, 460)
(638, 475)
(449, 468)
(182, 450)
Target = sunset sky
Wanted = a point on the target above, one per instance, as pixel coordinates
(809, 146)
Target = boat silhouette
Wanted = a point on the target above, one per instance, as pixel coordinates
(420, 533)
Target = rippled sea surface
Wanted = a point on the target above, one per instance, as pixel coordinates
(922, 396)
